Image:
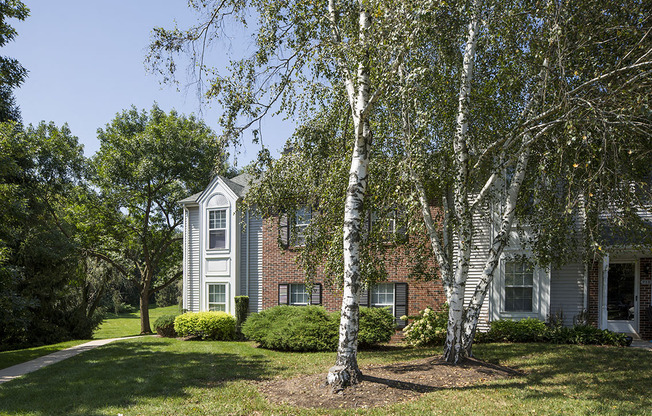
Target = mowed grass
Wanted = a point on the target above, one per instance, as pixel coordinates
(9, 358)
(128, 324)
(158, 376)
(114, 326)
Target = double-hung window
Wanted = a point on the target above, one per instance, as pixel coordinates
(382, 296)
(302, 220)
(217, 297)
(298, 294)
(217, 232)
(519, 286)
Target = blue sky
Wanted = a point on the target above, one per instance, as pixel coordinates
(86, 63)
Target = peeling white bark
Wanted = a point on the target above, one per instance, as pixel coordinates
(346, 371)
(452, 347)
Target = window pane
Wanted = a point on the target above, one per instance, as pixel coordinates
(518, 299)
(217, 239)
(217, 219)
(217, 297)
(298, 295)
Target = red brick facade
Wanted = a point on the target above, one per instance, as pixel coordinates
(645, 293)
(645, 296)
(280, 267)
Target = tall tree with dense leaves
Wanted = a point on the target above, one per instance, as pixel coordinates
(304, 51)
(41, 169)
(12, 73)
(147, 162)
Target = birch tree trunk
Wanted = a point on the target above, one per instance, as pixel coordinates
(453, 346)
(346, 372)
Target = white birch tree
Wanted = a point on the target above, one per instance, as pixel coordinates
(304, 50)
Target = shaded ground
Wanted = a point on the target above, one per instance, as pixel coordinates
(382, 384)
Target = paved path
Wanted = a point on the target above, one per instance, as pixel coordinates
(10, 373)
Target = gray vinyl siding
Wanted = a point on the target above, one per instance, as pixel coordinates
(251, 262)
(192, 260)
(479, 252)
(567, 291)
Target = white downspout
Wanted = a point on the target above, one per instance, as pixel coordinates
(603, 291)
(248, 255)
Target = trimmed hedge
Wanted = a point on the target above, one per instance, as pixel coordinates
(292, 328)
(311, 328)
(376, 326)
(533, 330)
(219, 326)
(164, 326)
(241, 310)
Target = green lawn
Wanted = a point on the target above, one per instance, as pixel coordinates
(114, 326)
(158, 376)
(9, 358)
(128, 324)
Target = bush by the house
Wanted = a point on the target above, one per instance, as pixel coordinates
(525, 330)
(586, 335)
(292, 328)
(164, 326)
(376, 326)
(219, 326)
(311, 328)
(241, 309)
(428, 328)
(533, 330)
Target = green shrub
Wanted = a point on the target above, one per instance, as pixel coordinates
(428, 328)
(586, 335)
(218, 326)
(533, 330)
(525, 330)
(241, 310)
(293, 328)
(376, 326)
(164, 326)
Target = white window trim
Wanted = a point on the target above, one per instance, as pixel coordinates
(227, 295)
(540, 290)
(227, 230)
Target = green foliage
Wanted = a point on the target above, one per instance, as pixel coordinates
(217, 326)
(164, 326)
(311, 328)
(376, 326)
(147, 162)
(45, 293)
(428, 328)
(293, 328)
(525, 330)
(241, 310)
(533, 330)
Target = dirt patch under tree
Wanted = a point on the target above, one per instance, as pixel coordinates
(382, 384)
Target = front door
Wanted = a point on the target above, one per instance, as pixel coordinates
(622, 298)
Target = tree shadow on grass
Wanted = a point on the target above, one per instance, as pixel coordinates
(123, 373)
(587, 372)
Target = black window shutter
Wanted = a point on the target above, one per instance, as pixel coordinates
(315, 296)
(284, 230)
(364, 297)
(400, 303)
(283, 297)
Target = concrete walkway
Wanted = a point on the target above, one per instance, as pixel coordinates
(10, 373)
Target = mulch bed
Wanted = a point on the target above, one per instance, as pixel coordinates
(382, 385)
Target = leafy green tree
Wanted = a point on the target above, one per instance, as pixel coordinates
(147, 162)
(40, 169)
(12, 73)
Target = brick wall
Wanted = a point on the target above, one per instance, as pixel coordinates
(594, 293)
(645, 293)
(279, 266)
